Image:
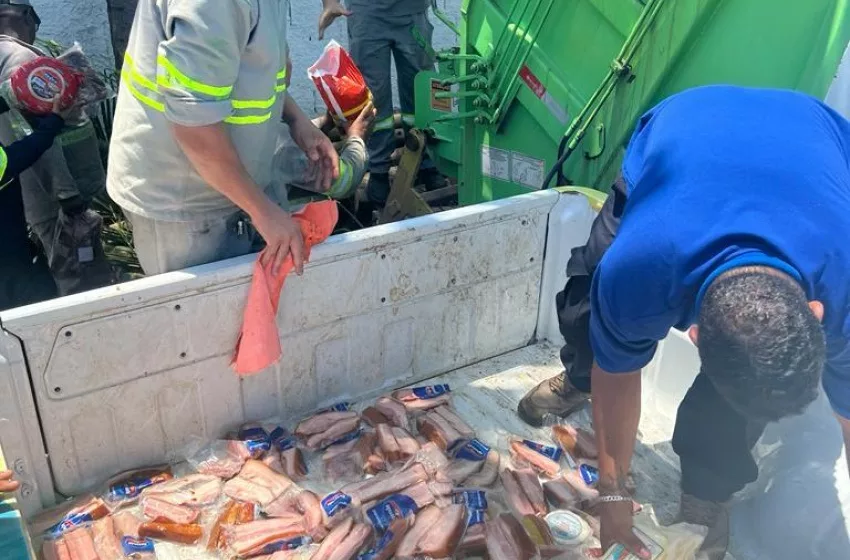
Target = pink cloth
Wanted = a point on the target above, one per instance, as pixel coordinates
(258, 346)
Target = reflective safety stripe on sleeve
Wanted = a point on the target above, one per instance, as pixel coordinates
(384, 124)
(281, 81)
(168, 74)
(4, 162)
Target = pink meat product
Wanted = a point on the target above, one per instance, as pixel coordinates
(159, 510)
(507, 540)
(357, 540)
(322, 422)
(474, 540)
(260, 474)
(445, 535)
(374, 417)
(126, 524)
(416, 405)
(105, 542)
(342, 461)
(332, 434)
(585, 492)
(55, 550)
(247, 491)
(293, 464)
(530, 485)
(433, 460)
(461, 469)
(334, 540)
(489, 472)
(397, 529)
(191, 490)
(524, 455)
(560, 494)
(408, 446)
(395, 411)
(388, 443)
(438, 430)
(253, 536)
(516, 498)
(81, 544)
(422, 525)
(304, 503)
(456, 421)
(385, 484)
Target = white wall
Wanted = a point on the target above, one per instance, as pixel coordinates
(86, 21)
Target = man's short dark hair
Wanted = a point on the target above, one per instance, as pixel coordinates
(760, 344)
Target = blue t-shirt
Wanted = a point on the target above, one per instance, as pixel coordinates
(720, 173)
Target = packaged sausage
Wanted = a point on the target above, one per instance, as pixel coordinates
(340, 83)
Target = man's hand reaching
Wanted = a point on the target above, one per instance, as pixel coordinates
(6, 482)
(282, 236)
(324, 160)
(362, 125)
(332, 10)
(616, 527)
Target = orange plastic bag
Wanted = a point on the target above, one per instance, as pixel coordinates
(258, 346)
(340, 83)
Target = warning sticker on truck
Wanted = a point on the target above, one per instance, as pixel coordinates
(527, 171)
(496, 163)
(443, 104)
(537, 87)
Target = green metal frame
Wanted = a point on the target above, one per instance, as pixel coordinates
(531, 75)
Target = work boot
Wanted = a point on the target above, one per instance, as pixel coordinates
(430, 179)
(555, 396)
(715, 516)
(378, 189)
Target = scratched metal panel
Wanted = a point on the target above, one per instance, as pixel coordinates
(125, 375)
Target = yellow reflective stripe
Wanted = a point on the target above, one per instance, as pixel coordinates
(342, 186)
(385, 124)
(213, 91)
(408, 119)
(4, 162)
(281, 75)
(127, 81)
(254, 104)
(280, 88)
(251, 119)
(130, 66)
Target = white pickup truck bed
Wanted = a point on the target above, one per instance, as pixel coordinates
(122, 377)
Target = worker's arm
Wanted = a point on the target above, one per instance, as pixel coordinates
(331, 9)
(320, 152)
(24, 153)
(199, 63)
(616, 414)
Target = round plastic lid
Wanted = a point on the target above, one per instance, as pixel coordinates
(568, 528)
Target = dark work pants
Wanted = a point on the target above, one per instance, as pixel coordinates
(713, 441)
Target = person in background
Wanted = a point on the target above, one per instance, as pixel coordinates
(203, 86)
(59, 187)
(730, 221)
(7, 483)
(379, 32)
(23, 279)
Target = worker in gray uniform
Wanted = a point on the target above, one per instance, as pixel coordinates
(378, 31)
(62, 183)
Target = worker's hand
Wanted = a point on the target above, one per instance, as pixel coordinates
(362, 125)
(282, 236)
(59, 111)
(324, 160)
(6, 482)
(616, 528)
(333, 9)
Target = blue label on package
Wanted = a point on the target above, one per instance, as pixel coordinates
(476, 517)
(338, 407)
(283, 544)
(472, 499)
(589, 474)
(431, 391)
(397, 506)
(549, 451)
(378, 550)
(256, 440)
(474, 450)
(134, 487)
(131, 546)
(282, 439)
(334, 503)
(71, 521)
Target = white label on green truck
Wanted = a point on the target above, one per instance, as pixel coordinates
(496, 163)
(527, 171)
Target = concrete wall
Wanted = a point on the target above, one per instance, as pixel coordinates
(86, 21)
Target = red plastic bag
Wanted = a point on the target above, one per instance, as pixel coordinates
(340, 83)
(38, 81)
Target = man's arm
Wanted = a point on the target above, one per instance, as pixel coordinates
(616, 414)
(331, 9)
(320, 152)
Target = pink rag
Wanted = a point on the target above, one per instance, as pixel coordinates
(258, 346)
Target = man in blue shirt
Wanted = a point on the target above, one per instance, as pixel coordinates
(731, 222)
